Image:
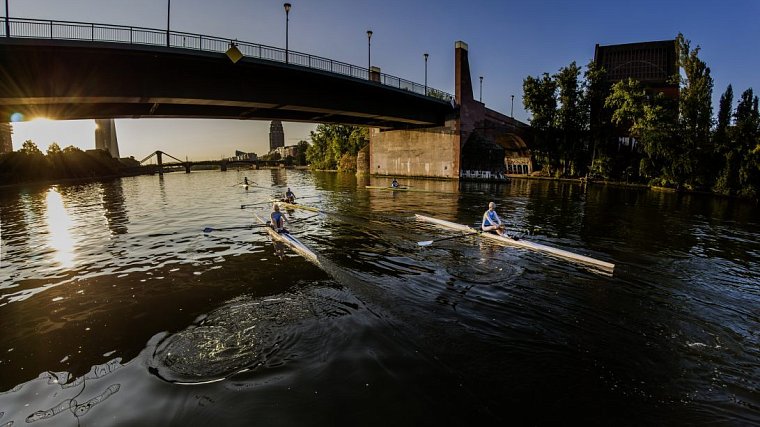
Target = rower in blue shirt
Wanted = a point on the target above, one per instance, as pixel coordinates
(394, 183)
(491, 221)
(278, 220)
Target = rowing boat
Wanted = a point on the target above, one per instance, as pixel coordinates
(376, 187)
(291, 241)
(287, 205)
(560, 253)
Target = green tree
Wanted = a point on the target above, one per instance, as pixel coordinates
(301, 148)
(540, 98)
(572, 118)
(650, 121)
(727, 176)
(746, 136)
(599, 119)
(329, 143)
(693, 150)
(30, 148)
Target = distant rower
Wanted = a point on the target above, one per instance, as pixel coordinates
(290, 197)
(491, 221)
(394, 184)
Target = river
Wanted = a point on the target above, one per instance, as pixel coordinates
(154, 301)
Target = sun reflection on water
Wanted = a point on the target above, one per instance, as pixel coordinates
(59, 224)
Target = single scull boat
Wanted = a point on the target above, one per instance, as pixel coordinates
(287, 205)
(561, 253)
(291, 241)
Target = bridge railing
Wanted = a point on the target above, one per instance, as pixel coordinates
(67, 30)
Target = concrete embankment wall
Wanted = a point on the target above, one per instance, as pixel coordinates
(423, 152)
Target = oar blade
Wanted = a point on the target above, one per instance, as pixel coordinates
(425, 243)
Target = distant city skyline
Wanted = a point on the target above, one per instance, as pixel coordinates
(508, 42)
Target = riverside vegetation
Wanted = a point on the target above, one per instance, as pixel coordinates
(29, 164)
(677, 142)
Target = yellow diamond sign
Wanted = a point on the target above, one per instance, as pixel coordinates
(234, 53)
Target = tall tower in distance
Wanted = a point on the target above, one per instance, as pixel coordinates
(105, 136)
(6, 143)
(276, 135)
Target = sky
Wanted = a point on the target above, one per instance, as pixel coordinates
(508, 41)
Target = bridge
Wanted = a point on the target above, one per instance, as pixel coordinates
(223, 164)
(74, 70)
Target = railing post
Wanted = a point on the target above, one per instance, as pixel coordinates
(92, 32)
(130, 36)
(51, 29)
(7, 24)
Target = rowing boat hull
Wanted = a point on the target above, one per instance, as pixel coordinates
(561, 253)
(375, 187)
(292, 242)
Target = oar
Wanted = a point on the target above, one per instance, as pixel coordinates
(430, 242)
(254, 204)
(210, 229)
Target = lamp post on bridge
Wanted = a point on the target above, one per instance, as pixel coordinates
(168, 19)
(287, 20)
(481, 88)
(426, 57)
(512, 112)
(369, 51)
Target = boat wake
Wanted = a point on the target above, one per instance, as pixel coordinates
(239, 336)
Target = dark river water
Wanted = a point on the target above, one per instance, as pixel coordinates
(117, 309)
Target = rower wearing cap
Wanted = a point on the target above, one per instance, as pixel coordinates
(491, 221)
(278, 220)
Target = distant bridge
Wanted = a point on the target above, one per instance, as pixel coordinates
(187, 166)
(76, 70)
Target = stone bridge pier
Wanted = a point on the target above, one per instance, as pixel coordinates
(475, 141)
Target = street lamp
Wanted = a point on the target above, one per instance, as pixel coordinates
(168, 18)
(287, 20)
(426, 57)
(512, 113)
(481, 88)
(369, 51)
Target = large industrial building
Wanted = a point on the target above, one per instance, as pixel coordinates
(654, 64)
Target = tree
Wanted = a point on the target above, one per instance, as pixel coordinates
(693, 150)
(540, 98)
(30, 148)
(649, 121)
(599, 119)
(329, 143)
(746, 136)
(726, 181)
(301, 148)
(54, 150)
(572, 117)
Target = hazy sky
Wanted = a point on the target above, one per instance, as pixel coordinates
(508, 41)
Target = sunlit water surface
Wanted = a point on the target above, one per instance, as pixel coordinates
(155, 301)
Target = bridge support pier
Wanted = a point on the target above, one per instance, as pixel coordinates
(160, 162)
(473, 138)
(187, 167)
(223, 166)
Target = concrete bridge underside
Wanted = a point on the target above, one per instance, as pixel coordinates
(92, 80)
